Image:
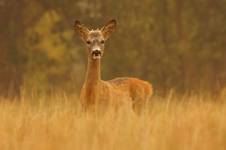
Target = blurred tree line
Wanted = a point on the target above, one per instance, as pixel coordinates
(173, 44)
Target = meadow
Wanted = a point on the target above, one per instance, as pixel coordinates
(171, 122)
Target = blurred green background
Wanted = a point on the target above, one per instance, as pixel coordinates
(171, 43)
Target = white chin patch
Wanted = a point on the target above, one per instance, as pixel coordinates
(96, 56)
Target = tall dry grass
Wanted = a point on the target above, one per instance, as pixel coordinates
(194, 122)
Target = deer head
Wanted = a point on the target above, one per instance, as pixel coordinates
(95, 39)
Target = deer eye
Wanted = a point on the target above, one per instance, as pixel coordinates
(102, 41)
(88, 42)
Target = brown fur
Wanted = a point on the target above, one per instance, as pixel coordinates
(116, 92)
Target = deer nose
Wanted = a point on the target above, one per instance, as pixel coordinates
(96, 53)
(96, 50)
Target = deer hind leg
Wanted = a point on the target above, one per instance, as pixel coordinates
(140, 102)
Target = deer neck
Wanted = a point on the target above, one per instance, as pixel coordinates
(93, 76)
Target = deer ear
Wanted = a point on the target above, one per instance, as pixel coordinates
(109, 28)
(81, 30)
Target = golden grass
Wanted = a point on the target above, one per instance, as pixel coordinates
(169, 123)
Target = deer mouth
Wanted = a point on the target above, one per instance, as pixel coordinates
(96, 54)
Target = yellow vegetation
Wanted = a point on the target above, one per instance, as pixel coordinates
(169, 123)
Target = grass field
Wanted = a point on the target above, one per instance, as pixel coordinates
(169, 123)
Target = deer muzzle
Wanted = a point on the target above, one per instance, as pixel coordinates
(96, 54)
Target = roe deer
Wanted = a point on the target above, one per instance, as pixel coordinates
(114, 92)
